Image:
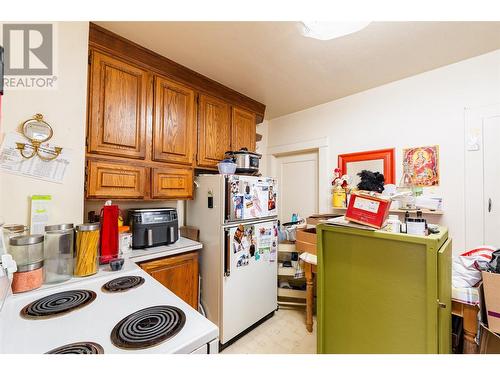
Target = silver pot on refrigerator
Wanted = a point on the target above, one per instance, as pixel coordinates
(246, 161)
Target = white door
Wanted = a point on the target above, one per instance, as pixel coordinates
(249, 285)
(491, 157)
(298, 184)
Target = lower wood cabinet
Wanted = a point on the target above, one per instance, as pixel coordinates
(179, 273)
(106, 179)
(171, 183)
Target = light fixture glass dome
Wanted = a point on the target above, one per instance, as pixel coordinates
(326, 30)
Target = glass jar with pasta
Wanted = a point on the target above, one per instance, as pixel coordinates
(87, 249)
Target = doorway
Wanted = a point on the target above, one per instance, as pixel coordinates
(491, 181)
(482, 179)
(298, 184)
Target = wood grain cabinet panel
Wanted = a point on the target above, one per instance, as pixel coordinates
(174, 122)
(243, 129)
(118, 95)
(214, 130)
(179, 273)
(172, 183)
(115, 180)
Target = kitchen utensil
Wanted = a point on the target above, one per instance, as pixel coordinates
(246, 161)
(226, 166)
(116, 264)
(109, 233)
(58, 253)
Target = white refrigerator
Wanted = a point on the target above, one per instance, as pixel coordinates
(237, 218)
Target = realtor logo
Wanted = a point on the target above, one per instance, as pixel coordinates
(29, 55)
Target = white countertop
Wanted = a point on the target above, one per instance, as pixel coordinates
(182, 245)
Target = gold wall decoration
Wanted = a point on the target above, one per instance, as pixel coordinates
(37, 131)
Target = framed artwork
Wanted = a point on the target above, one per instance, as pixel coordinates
(376, 161)
(423, 163)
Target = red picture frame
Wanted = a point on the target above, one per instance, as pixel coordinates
(387, 155)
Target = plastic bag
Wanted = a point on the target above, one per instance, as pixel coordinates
(465, 271)
(495, 261)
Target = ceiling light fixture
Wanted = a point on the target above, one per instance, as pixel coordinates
(326, 30)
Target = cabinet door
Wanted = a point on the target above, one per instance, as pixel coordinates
(214, 137)
(118, 96)
(115, 180)
(174, 125)
(172, 183)
(242, 129)
(179, 273)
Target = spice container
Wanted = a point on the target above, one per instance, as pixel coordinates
(87, 249)
(58, 253)
(27, 277)
(125, 240)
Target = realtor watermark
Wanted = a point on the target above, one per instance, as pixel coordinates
(29, 56)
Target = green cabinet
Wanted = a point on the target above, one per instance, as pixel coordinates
(381, 292)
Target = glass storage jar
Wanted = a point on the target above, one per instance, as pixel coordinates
(87, 249)
(26, 250)
(58, 253)
(12, 230)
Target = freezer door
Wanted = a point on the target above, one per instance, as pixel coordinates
(250, 198)
(249, 287)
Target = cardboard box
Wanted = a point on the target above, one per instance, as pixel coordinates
(318, 218)
(306, 240)
(369, 210)
(490, 341)
(491, 286)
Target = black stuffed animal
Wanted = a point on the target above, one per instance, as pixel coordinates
(371, 181)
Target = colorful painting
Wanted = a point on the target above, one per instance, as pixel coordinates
(423, 163)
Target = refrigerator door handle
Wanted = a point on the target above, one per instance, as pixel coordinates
(227, 254)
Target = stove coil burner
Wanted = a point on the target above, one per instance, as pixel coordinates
(58, 304)
(122, 284)
(148, 327)
(78, 348)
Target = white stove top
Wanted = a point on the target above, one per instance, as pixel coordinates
(95, 321)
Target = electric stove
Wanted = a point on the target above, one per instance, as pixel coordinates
(121, 312)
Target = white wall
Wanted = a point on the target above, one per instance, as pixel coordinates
(261, 147)
(422, 110)
(64, 109)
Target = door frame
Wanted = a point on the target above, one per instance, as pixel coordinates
(321, 146)
(474, 172)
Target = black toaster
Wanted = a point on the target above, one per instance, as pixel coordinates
(153, 227)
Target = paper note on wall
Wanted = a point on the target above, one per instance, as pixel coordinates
(11, 161)
(40, 209)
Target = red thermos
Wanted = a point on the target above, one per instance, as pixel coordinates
(109, 233)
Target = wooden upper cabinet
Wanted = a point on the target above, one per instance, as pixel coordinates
(243, 129)
(115, 180)
(214, 130)
(118, 102)
(174, 122)
(172, 183)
